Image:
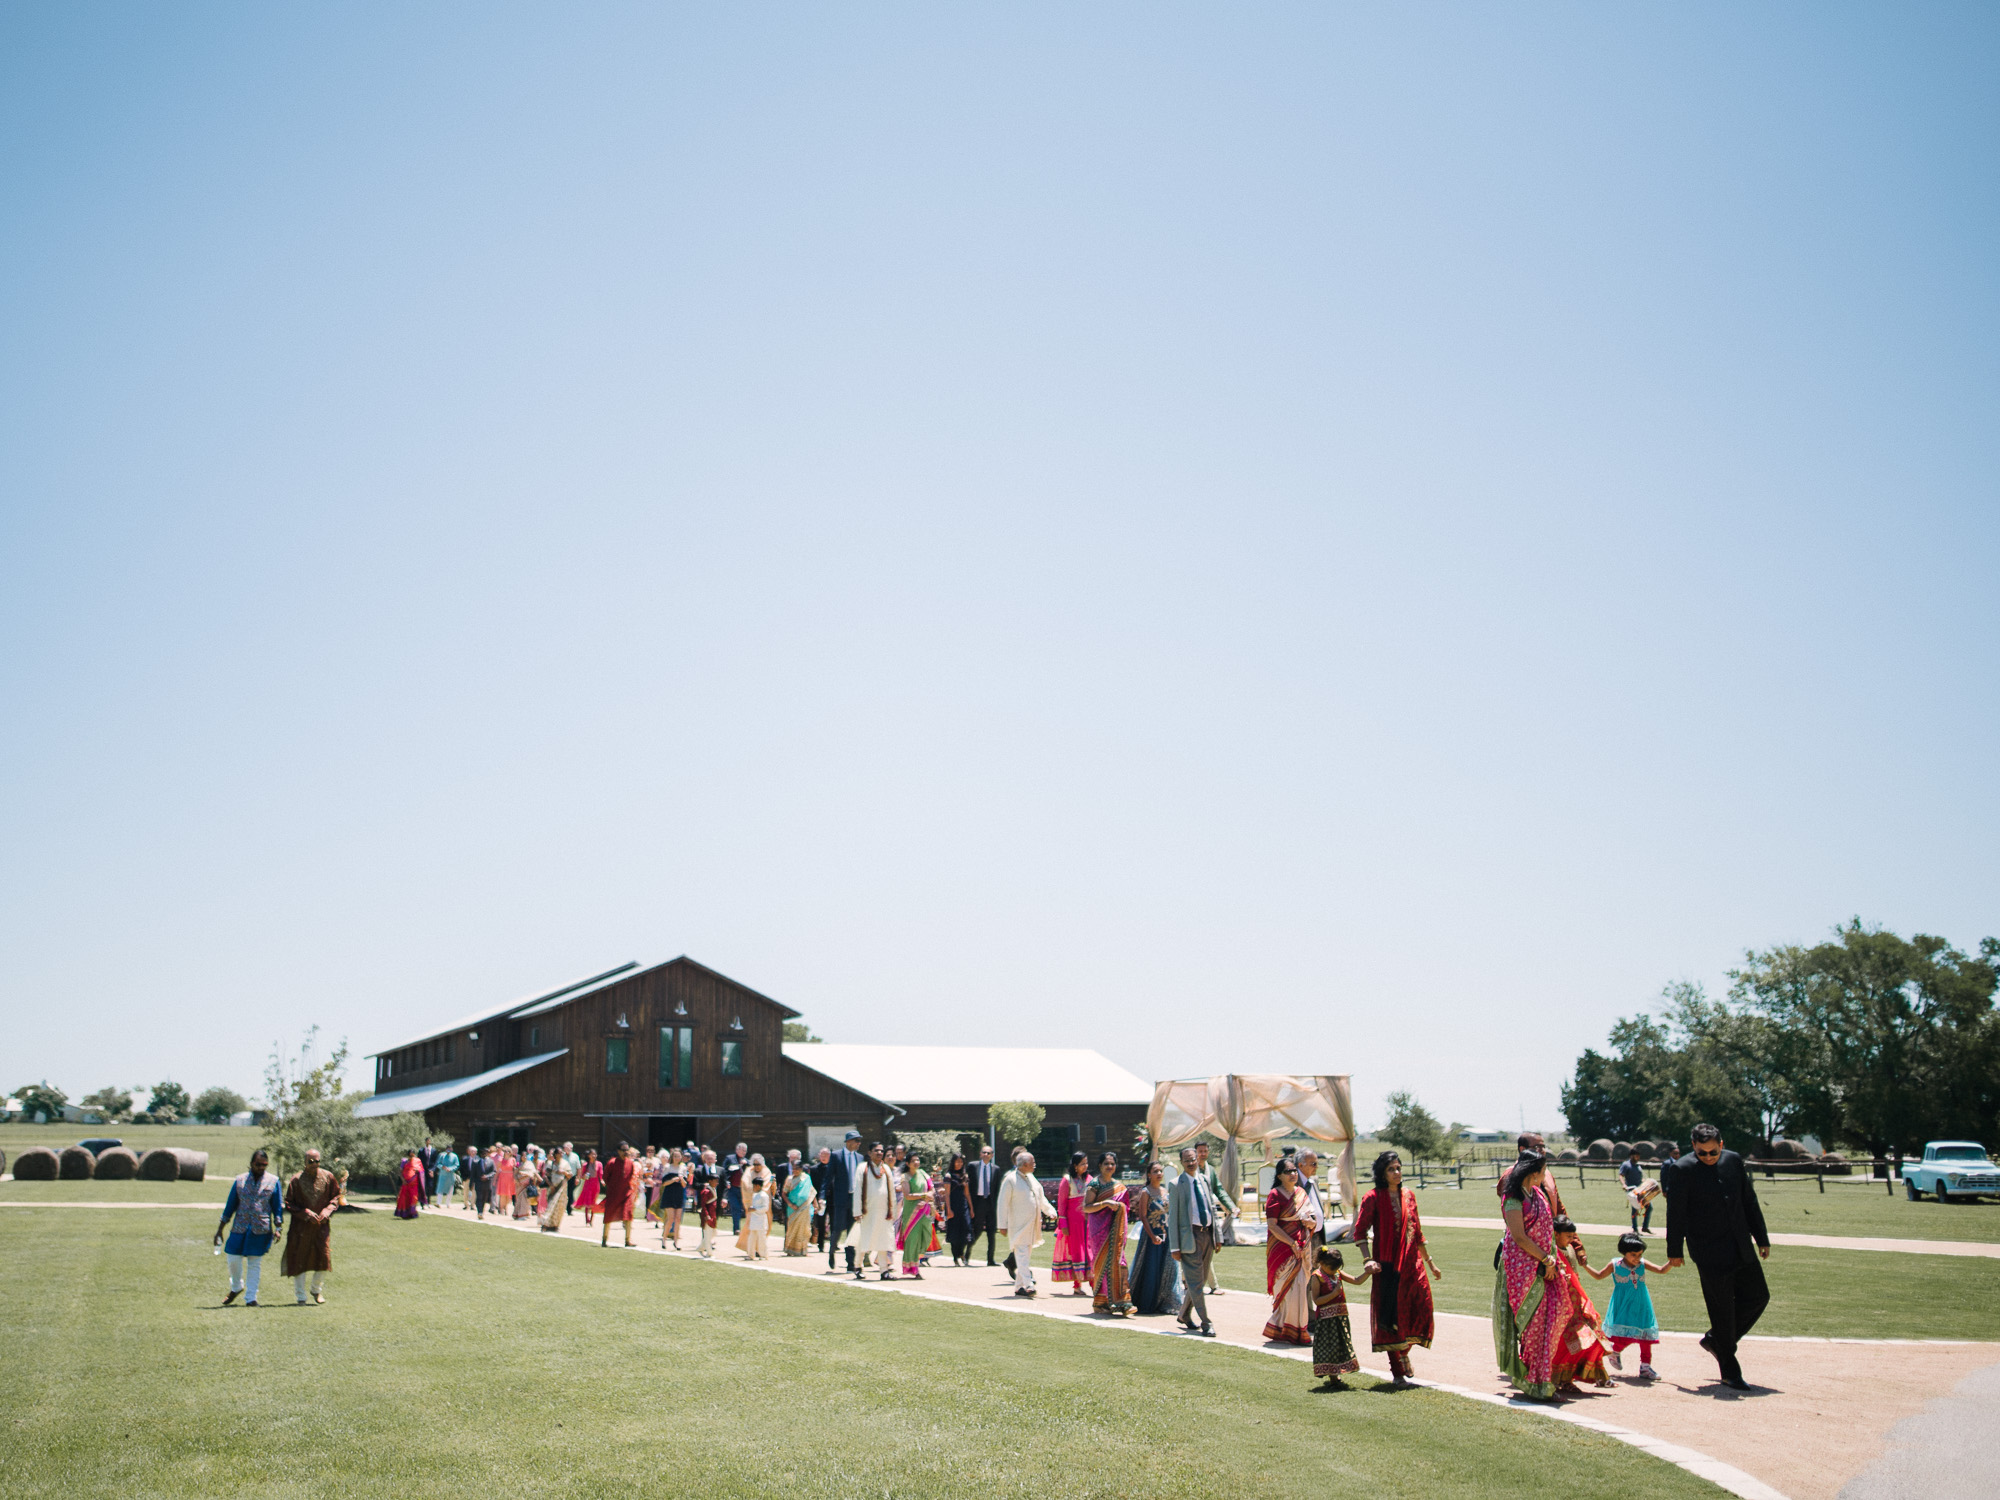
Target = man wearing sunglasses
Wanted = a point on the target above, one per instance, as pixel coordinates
(1712, 1212)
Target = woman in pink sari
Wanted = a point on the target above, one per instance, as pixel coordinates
(1072, 1251)
(1106, 1212)
(1288, 1259)
(1529, 1299)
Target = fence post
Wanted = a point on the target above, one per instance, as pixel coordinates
(1822, 1179)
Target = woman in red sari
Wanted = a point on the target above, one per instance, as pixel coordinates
(1288, 1259)
(1400, 1315)
(1106, 1212)
(410, 1186)
(1579, 1345)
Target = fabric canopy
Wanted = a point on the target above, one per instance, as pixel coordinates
(1256, 1107)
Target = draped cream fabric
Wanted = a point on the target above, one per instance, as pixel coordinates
(1257, 1107)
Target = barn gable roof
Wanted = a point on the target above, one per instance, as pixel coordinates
(541, 1002)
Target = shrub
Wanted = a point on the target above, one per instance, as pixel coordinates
(934, 1146)
(76, 1164)
(118, 1164)
(1016, 1122)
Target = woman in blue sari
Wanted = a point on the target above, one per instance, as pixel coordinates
(1156, 1276)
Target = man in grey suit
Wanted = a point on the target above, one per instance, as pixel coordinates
(1191, 1236)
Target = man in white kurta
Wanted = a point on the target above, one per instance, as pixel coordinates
(874, 1231)
(1020, 1212)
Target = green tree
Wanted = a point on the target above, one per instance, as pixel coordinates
(112, 1102)
(214, 1106)
(798, 1031)
(41, 1099)
(291, 1084)
(369, 1147)
(1903, 1029)
(1416, 1129)
(169, 1102)
(1016, 1122)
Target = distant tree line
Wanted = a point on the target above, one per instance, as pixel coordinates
(168, 1104)
(1867, 1040)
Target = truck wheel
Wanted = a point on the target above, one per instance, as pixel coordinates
(1943, 1196)
(1910, 1191)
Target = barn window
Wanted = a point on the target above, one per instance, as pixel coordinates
(617, 1054)
(1103, 1135)
(732, 1059)
(534, 1036)
(676, 1057)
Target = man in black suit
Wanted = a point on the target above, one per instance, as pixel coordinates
(479, 1172)
(841, 1167)
(429, 1158)
(1712, 1211)
(983, 1182)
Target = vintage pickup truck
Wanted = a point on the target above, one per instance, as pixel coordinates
(1951, 1169)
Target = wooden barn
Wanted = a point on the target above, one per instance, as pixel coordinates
(677, 1053)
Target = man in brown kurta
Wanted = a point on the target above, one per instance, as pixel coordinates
(310, 1199)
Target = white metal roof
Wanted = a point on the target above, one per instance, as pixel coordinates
(974, 1075)
(431, 1095)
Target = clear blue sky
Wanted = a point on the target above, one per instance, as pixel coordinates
(1283, 538)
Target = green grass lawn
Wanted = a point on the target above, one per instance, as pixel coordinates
(228, 1146)
(450, 1361)
(1790, 1207)
(1819, 1293)
(137, 1191)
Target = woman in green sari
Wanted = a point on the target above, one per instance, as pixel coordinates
(916, 1231)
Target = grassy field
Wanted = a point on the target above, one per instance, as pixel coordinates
(223, 1143)
(1819, 1293)
(1790, 1207)
(450, 1362)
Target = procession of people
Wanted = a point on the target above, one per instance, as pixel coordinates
(1144, 1249)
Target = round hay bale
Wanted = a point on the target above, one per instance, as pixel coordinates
(3, 1163)
(1567, 1156)
(77, 1164)
(1643, 1150)
(1784, 1150)
(119, 1164)
(1620, 1150)
(194, 1164)
(161, 1164)
(36, 1164)
(1599, 1150)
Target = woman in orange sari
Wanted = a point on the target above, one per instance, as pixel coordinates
(1288, 1259)
(503, 1178)
(1400, 1315)
(1106, 1212)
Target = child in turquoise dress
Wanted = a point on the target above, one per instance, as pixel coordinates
(1631, 1320)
